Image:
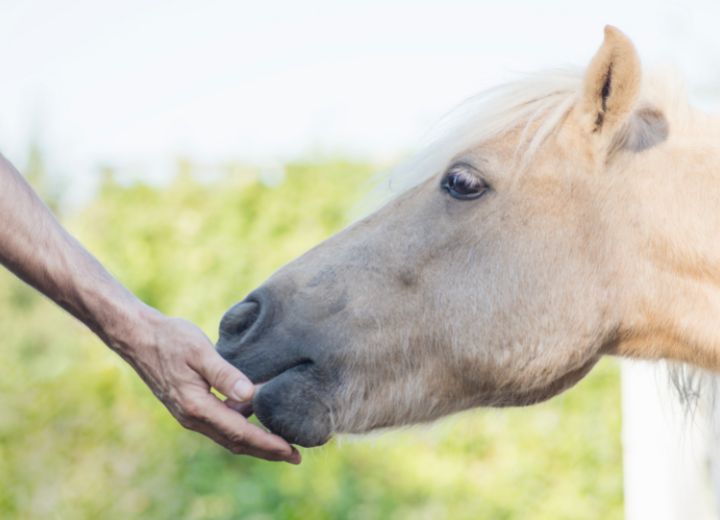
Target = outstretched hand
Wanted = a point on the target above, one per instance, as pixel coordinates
(180, 365)
(173, 356)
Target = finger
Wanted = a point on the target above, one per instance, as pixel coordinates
(246, 409)
(233, 447)
(240, 447)
(227, 379)
(242, 435)
(245, 450)
(295, 457)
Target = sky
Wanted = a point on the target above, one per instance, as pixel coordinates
(136, 84)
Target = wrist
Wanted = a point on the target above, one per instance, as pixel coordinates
(123, 321)
(134, 328)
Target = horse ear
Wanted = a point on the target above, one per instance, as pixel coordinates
(611, 85)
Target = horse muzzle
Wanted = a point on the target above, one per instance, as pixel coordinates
(273, 347)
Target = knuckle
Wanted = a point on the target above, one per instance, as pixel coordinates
(186, 421)
(238, 439)
(194, 410)
(238, 449)
(197, 348)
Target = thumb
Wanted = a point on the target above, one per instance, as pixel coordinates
(227, 379)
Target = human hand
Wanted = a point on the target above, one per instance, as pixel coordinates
(176, 360)
(180, 365)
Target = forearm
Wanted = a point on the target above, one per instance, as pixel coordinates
(37, 249)
(174, 358)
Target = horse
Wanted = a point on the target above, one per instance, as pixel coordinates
(565, 216)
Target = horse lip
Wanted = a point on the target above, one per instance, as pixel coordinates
(298, 417)
(303, 362)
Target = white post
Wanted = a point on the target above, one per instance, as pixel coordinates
(667, 453)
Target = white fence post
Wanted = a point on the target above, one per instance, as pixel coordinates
(666, 453)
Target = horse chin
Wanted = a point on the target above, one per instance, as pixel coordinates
(291, 405)
(547, 391)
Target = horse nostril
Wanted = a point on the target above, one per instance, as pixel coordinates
(238, 320)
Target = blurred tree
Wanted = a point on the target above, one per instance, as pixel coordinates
(81, 437)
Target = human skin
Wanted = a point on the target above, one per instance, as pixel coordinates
(174, 357)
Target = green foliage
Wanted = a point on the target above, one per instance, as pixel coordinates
(81, 437)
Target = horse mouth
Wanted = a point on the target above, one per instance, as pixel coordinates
(299, 365)
(292, 405)
(289, 399)
(247, 408)
(296, 388)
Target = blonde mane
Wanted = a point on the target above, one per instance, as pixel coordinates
(543, 97)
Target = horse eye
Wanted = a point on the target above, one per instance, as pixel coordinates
(462, 184)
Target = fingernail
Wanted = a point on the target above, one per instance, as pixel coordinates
(295, 457)
(243, 390)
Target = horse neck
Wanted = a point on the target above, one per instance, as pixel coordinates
(672, 254)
